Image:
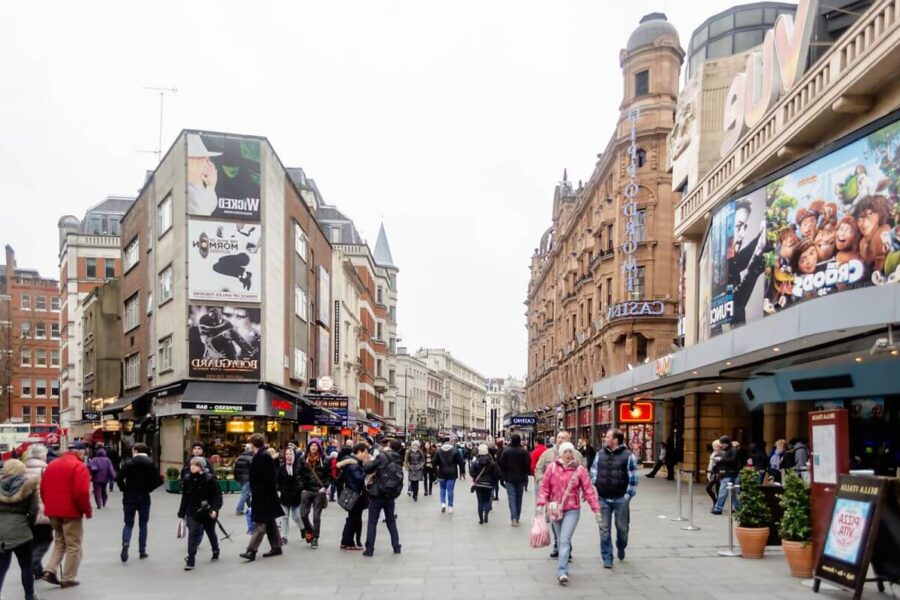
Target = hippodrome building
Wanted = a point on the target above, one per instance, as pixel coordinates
(790, 241)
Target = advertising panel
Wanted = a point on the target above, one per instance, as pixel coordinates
(832, 223)
(224, 342)
(223, 176)
(828, 226)
(224, 260)
(324, 298)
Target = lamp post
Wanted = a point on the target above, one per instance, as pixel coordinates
(406, 403)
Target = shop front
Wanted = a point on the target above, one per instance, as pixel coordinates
(603, 421)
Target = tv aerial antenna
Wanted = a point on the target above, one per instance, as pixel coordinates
(162, 95)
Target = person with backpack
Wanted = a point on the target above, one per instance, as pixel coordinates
(242, 476)
(485, 473)
(386, 487)
(449, 466)
(354, 478)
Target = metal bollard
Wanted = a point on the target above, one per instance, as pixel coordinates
(680, 516)
(690, 526)
(731, 551)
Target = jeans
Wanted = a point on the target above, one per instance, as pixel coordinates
(100, 494)
(484, 498)
(68, 535)
(245, 494)
(23, 557)
(447, 487)
(316, 502)
(290, 512)
(141, 506)
(353, 525)
(429, 481)
(620, 509)
(563, 531)
(196, 527)
(376, 505)
(723, 492)
(514, 494)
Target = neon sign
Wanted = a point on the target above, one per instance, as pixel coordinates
(630, 209)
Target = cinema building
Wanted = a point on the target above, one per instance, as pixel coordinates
(226, 301)
(790, 240)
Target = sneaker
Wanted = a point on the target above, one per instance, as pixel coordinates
(621, 554)
(607, 565)
(239, 513)
(284, 541)
(215, 555)
(563, 580)
(715, 512)
(314, 544)
(308, 537)
(188, 563)
(555, 553)
(368, 553)
(143, 555)
(450, 509)
(124, 553)
(443, 507)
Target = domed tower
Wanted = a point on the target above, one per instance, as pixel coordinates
(651, 63)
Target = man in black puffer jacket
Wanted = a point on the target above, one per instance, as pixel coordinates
(242, 476)
(137, 478)
(201, 501)
(729, 467)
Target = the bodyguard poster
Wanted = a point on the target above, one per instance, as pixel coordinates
(223, 176)
(224, 260)
(224, 342)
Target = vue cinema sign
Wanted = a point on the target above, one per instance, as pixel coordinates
(769, 73)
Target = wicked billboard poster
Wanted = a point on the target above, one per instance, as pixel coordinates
(832, 224)
(224, 342)
(733, 256)
(224, 260)
(223, 176)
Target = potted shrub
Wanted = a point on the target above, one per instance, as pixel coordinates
(173, 480)
(221, 475)
(796, 526)
(753, 516)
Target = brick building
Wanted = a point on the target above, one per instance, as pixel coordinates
(603, 295)
(29, 344)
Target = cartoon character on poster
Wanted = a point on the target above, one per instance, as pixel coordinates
(845, 534)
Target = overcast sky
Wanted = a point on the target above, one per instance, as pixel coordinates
(452, 122)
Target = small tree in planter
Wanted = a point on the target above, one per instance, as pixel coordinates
(753, 516)
(173, 480)
(796, 526)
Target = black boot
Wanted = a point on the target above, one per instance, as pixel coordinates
(189, 563)
(249, 555)
(124, 554)
(215, 555)
(481, 517)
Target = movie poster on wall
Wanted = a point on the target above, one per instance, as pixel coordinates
(832, 224)
(734, 256)
(223, 176)
(224, 342)
(224, 260)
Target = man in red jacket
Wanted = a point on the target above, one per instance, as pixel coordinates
(539, 449)
(66, 492)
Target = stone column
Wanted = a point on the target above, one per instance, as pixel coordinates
(691, 249)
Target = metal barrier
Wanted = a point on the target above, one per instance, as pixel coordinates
(731, 551)
(690, 526)
(680, 516)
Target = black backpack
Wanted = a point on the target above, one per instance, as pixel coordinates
(390, 476)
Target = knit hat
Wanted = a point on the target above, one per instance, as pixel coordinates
(566, 446)
(482, 450)
(415, 444)
(316, 441)
(13, 467)
(198, 444)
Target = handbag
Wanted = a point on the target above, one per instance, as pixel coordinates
(556, 514)
(179, 529)
(477, 479)
(348, 498)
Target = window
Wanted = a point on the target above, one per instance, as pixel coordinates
(54, 357)
(609, 237)
(40, 358)
(40, 330)
(608, 292)
(379, 331)
(590, 309)
(149, 302)
(54, 388)
(132, 371)
(392, 314)
(165, 354)
(96, 226)
(379, 295)
(109, 268)
(638, 284)
(300, 245)
(392, 377)
(378, 368)
(639, 228)
(26, 357)
(641, 157)
(642, 83)
(41, 414)
(40, 387)
(54, 331)
(165, 285)
(300, 303)
(335, 234)
(132, 254)
(26, 386)
(54, 303)
(26, 414)
(640, 346)
(26, 302)
(164, 216)
(54, 414)
(299, 364)
(132, 312)
(40, 303)
(25, 328)
(91, 268)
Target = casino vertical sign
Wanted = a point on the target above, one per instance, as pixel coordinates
(630, 209)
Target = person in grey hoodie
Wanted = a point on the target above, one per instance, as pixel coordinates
(35, 463)
(449, 466)
(19, 506)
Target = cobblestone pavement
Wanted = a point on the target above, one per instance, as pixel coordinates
(441, 553)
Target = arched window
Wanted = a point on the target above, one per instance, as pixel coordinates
(641, 157)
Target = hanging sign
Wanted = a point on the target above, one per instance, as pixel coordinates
(630, 209)
(635, 412)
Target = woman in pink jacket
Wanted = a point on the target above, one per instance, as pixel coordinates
(560, 496)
